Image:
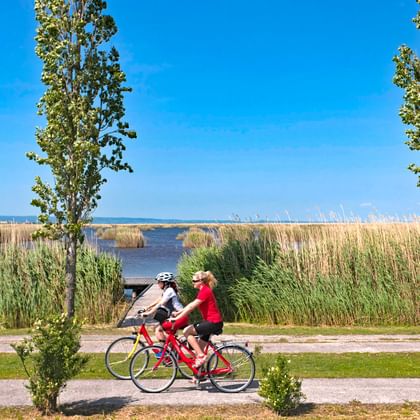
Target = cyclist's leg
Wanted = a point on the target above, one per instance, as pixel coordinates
(190, 333)
(160, 333)
(205, 329)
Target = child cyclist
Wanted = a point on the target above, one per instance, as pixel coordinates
(212, 322)
(163, 307)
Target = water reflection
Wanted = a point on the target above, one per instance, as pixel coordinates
(161, 253)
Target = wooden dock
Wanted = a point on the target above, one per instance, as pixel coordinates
(145, 291)
(131, 282)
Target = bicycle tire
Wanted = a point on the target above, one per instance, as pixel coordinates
(242, 366)
(149, 378)
(117, 359)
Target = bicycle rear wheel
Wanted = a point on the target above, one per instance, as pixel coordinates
(231, 368)
(151, 374)
(118, 356)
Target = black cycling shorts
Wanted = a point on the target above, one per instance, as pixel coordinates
(206, 328)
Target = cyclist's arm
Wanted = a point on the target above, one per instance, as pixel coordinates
(152, 307)
(153, 304)
(188, 309)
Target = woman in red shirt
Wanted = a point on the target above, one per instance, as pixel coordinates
(212, 322)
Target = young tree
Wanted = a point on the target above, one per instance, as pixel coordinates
(407, 77)
(84, 112)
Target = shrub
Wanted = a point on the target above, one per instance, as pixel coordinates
(282, 392)
(50, 358)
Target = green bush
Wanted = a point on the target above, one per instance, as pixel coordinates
(282, 392)
(50, 358)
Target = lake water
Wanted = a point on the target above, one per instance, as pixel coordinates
(161, 253)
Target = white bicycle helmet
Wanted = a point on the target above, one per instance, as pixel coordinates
(165, 277)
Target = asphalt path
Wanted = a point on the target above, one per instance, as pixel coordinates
(276, 343)
(114, 393)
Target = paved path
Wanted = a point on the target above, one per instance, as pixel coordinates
(121, 393)
(277, 343)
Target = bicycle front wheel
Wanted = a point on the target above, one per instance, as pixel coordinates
(231, 368)
(151, 371)
(118, 356)
(183, 369)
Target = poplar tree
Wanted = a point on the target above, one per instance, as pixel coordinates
(83, 110)
(407, 77)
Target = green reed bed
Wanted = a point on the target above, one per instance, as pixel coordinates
(335, 274)
(32, 280)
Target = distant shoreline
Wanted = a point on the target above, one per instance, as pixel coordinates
(106, 221)
(147, 224)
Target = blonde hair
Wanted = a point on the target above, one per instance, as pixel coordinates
(207, 278)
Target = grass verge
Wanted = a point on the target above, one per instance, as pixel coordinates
(254, 329)
(352, 411)
(304, 365)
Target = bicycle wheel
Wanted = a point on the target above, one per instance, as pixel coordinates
(145, 372)
(119, 355)
(231, 368)
(183, 369)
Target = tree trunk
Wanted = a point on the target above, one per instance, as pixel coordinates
(71, 254)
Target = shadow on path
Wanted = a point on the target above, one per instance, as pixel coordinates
(92, 407)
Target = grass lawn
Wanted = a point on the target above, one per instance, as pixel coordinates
(303, 365)
(251, 329)
(237, 328)
(252, 411)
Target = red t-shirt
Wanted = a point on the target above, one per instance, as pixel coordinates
(208, 307)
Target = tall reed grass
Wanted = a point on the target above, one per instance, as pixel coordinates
(196, 238)
(16, 233)
(125, 236)
(32, 284)
(331, 274)
(129, 238)
(228, 262)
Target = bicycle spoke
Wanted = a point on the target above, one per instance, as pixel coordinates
(231, 369)
(149, 373)
(118, 356)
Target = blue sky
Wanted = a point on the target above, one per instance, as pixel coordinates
(267, 108)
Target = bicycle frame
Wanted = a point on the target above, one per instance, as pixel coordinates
(180, 348)
(141, 332)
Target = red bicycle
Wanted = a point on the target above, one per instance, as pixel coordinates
(230, 367)
(120, 352)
